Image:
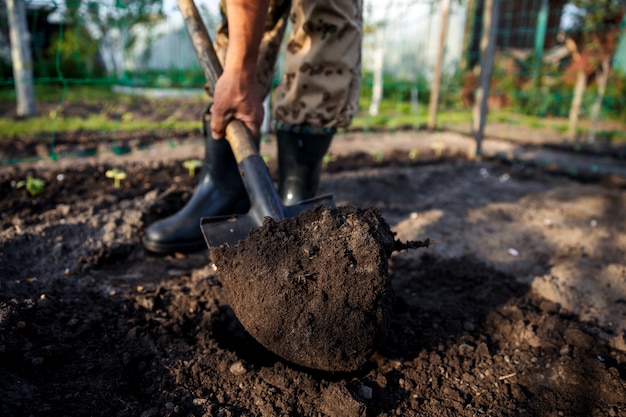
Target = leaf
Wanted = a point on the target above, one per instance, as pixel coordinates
(34, 186)
(192, 165)
(117, 174)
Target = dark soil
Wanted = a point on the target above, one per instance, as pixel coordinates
(518, 309)
(313, 289)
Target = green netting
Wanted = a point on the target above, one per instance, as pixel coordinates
(142, 44)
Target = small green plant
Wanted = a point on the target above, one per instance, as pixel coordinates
(378, 156)
(192, 165)
(117, 174)
(438, 148)
(266, 159)
(560, 128)
(414, 154)
(34, 186)
(327, 159)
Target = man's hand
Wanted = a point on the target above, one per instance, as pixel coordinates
(236, 96)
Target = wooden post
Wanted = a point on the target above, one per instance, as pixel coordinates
(579, 92)
(487, 48)
(602, 78)
(21, 57)
(434, 92)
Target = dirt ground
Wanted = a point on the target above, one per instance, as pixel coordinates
(518, 309)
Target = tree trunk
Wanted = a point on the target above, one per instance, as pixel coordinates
(434, 92)
(21, 57)
(577, 101)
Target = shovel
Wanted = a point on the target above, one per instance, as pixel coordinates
(311, 286)
(264, 201)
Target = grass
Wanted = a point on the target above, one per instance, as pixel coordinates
(559, 125)
(392, 121)
(95, 123)
(82, 94)
(392, 115)
(77, 93)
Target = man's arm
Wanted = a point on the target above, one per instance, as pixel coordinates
(236, 94)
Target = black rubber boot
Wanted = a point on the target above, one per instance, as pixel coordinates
(300, 164)
(219, 192)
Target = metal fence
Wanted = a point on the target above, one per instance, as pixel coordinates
(487, 63)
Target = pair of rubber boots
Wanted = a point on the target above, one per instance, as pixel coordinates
(221, 191)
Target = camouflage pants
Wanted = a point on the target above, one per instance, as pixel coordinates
(320, 85)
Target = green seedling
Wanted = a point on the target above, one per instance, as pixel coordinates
(327, 159)
(34, 186)
(266, 159)
(438, 147)
(414, 154)
(117, 174)
(192, 165)
(378, 156)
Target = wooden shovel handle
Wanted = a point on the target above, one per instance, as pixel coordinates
(237, 134)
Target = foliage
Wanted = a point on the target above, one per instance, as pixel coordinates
(89, 27)
(449, 97)
(115, 21)
(595, 16)
(169, 78)
(547, 100)
(594, 33)
(72, 55)
(615, 100)
(103, 17)
(397, 91)
(73, 49)
(550, 95)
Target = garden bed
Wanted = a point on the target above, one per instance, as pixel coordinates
(518, 309)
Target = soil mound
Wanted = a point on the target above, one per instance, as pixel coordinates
(313, 289)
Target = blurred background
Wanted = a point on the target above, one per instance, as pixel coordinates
(550, 71)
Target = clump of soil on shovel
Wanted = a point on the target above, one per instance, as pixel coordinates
(314, 289)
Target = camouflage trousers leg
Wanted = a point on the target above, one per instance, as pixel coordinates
(320, 85)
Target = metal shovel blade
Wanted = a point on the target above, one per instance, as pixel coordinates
(220, 230)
